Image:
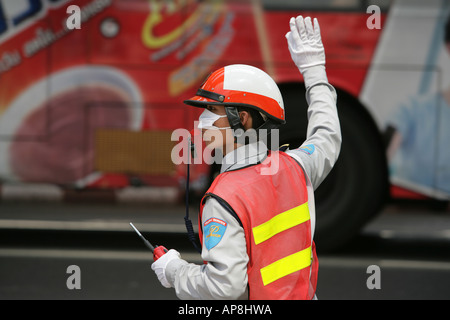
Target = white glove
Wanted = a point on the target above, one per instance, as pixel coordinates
(305, 43)
(159, 266)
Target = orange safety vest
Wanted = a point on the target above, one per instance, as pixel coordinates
(273, 211)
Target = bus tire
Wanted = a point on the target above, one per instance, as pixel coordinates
(357, 186)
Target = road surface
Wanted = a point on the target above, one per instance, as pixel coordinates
(409, 247)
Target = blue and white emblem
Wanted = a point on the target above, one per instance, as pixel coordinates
(308, 149)
(213, 231)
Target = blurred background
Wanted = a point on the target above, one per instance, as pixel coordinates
(91, 95)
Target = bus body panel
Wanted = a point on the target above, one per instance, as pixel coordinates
(97, 106)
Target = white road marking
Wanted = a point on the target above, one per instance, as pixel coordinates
(196, 258)
(87, 254)
(89, 225)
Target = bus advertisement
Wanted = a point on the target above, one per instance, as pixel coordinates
(91, 92)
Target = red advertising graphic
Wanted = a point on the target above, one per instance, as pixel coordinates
(127, 68)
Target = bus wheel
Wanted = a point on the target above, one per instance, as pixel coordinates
(357, 187)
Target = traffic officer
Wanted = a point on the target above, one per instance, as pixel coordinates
(257, 219)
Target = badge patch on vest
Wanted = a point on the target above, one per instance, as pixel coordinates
(308, 149)
(213, 231)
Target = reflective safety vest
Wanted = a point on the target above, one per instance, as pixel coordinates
(270, 200)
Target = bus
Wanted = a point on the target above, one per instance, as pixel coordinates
(91, 92)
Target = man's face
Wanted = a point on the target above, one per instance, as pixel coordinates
(218, 139)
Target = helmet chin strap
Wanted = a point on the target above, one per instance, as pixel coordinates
(238, 128)
(235, 122)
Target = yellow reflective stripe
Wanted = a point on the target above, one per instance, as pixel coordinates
(281, 222)
(286, 266)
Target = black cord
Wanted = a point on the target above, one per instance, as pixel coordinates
(187, 221)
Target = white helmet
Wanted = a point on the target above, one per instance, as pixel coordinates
(242, 85)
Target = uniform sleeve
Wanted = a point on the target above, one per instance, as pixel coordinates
(224, 276)
(320, 151)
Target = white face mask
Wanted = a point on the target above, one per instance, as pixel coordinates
(207, 120)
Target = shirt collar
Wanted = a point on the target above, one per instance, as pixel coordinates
(244, 156)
